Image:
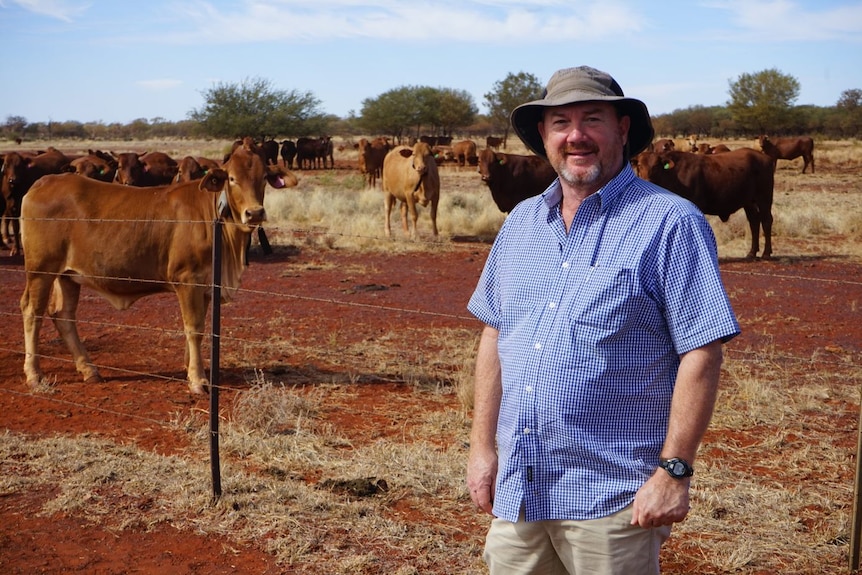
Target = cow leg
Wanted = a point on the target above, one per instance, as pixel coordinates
(409, 206)
(752, 214)
(434, 217)
(194, 302)
(264, 241)
(34, 302)
(64, 308)
(14, 236)
(388, 200)
(766, 222)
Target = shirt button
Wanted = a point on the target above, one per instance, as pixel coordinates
(526, 431)
(565, 265)
(552, 305)
(529, 388)
(537, 346)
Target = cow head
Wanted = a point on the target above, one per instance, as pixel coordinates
(130, 169)
(244, 178)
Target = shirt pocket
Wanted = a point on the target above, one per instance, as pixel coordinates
(604, 301)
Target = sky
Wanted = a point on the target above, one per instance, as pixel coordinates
(118, 61)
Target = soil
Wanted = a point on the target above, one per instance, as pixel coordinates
(787, 303)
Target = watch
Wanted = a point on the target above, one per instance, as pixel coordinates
(676, 467)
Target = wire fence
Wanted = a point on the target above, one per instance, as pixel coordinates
(14, 276)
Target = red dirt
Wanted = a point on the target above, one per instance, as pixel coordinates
(130, 407)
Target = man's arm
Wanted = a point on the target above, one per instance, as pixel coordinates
(663, 500)
(487, 393)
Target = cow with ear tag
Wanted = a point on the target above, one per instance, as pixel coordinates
(126, 244)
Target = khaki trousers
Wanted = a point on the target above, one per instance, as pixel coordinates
(607, 546)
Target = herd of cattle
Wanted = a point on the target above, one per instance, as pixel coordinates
(95, 227)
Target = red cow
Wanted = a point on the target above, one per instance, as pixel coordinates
(718, 184)
(20, 172)
(145, 170)
(371, 156)
(663, 145)
(465, 152)
(77, 232)
(494, 142)
(191, 168)
(789, 149)
(513, 178)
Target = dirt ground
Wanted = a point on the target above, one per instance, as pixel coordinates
(802, 320)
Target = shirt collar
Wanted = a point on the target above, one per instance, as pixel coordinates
(606, 196)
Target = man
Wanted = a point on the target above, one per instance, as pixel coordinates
(597, 371)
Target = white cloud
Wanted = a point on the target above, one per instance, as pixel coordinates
(60, 9)
(787, 20)
(490, 21)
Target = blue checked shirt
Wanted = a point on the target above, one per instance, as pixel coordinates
(591, 325)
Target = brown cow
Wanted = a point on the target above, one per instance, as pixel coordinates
(145, 170)
(191, 168)
(513, 178)
(719, 185)
(494, 142)
(663, 145)
(410, 175)
(371, 156)
(465, 152)
(288, 153)
(96, 165)
(20, 172)
(719, 149)
(789, 149)
(126, 245)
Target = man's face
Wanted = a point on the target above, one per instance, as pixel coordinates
(584, 142)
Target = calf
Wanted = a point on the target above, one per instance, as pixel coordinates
(789, 149)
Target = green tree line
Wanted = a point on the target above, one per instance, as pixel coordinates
(761, 102)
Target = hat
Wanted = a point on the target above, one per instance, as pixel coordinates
(582, 84)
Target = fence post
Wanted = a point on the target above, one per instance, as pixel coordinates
(215, 461)
(856, 526)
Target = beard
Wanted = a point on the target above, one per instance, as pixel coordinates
(580, 175)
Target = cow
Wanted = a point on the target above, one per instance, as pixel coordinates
(371, 156)
(719, 149)
(494, 142)
(465, 152)
(436, 140)
(513, 178)
(719, 184)
(270, 151)
(125, 245)
(410, 176)
(20, 172)
(288, 153)
(194, 168)
(789, 149)
(145, 170)
(95, 166)
(663, 145)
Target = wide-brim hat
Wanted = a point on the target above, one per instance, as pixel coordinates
(582, 84)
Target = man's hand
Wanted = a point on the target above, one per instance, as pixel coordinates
(662, 500)
(481, 474)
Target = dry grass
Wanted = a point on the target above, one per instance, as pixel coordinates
(770, 495)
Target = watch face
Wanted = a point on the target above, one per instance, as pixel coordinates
(677, 468)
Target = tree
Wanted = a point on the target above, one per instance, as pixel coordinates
(15, 126)
(762, 102)
(850, 112)
(414, 109)
(254, 108)
(507, 94)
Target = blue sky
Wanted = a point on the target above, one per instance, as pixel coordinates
(116, 61)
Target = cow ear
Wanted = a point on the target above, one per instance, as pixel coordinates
(278, 178)
(406, 152)
(213, 181)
